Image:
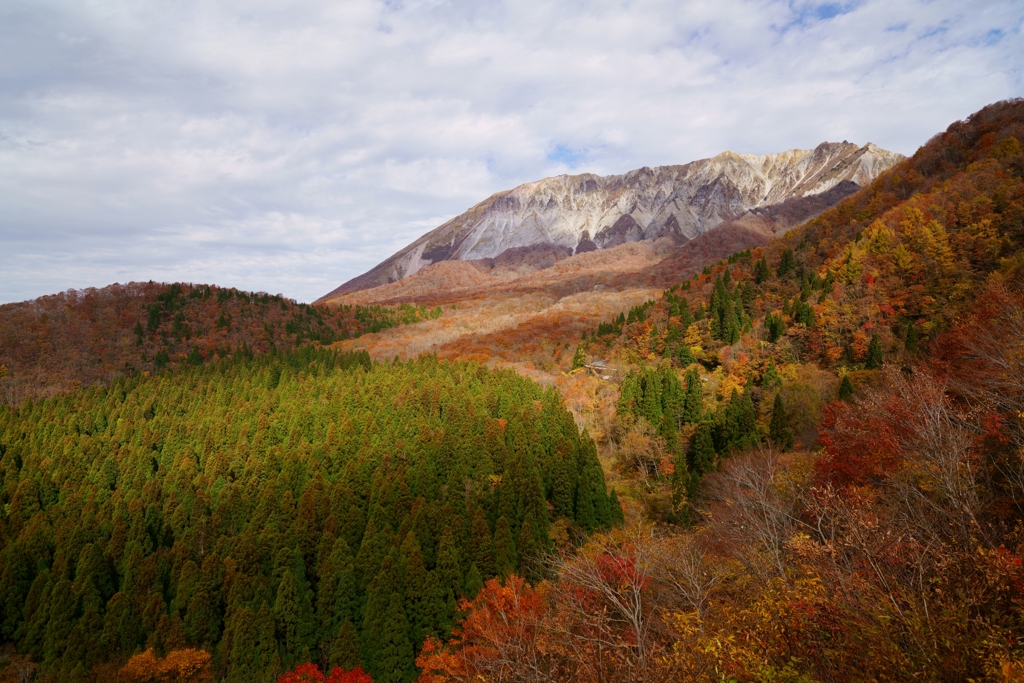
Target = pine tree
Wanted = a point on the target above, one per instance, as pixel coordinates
(336, 600)
(505, 558)
(775, 326)
(846, 389)
(780, 433)
(761, 272)
(693, 403)
(586, 515)
(344, 652)
(685, 319)
(771, 378)
(293, 614)
(448, 562)
(680, 480)
(483, 545)
(615, 509)
(579, 359)
(702, 450)
(395, 661)
(650, 402)
(436, 606)
(385, 585)
(417, 598)
(786, 263)
(874, 358)
(253, 656)
(528, 549)
(684, 356)
(563, 485)
(474, 581)
(910, 341)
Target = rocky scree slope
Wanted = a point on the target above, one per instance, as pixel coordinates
(588, 212)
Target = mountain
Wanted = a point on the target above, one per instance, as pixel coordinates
(588, 212)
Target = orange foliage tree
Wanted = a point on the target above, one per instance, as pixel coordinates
(179, 666)
(499, 639)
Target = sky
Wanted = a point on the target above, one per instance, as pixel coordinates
(287, 147)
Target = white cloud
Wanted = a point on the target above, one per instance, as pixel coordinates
(290, 146)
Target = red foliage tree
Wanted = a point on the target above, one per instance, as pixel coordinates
(310, 673)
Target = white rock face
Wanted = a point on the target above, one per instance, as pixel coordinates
(586, 212)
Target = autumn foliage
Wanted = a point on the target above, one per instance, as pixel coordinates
(499, 640)
(893, 553)
(310, 673)
(179, 666)
(87, 337)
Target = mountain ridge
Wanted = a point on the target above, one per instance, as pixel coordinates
(585, 212)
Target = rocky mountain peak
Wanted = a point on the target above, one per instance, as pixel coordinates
(585, 212)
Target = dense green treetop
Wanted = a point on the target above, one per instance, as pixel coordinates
(269, 508)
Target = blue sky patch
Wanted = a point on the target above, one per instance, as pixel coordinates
(563, 154)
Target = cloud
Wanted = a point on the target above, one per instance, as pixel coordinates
(290, 147)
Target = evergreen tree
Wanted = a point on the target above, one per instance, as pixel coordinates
(786, 263)
(685, 319)
(774, 326)
(771, 378)
(874, 358)
(449, 563)
(780, 433)
(563, 486)
(121, 627)
(344, 653)
(680, 480)
(586, 515)
(483, 545)
(579, 359)
(684, 356)
(761, 272)
(293, 617)
(336, 600)
(253, 656)
(505, 557)
(474, 581)
(737, 428)
(615, 509)
(650, 403)
(910, 340)
(528, 549)
(846, 389)
(702, 451)
(417, 593)
(693, 403)
(385, 585)
(395, 661)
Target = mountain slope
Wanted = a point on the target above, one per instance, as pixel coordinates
(81, 338)
(588, 212)
(893, 552)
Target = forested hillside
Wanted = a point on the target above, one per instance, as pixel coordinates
(278, 509)
(873, 281)
(81, 338)
(835, 422)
